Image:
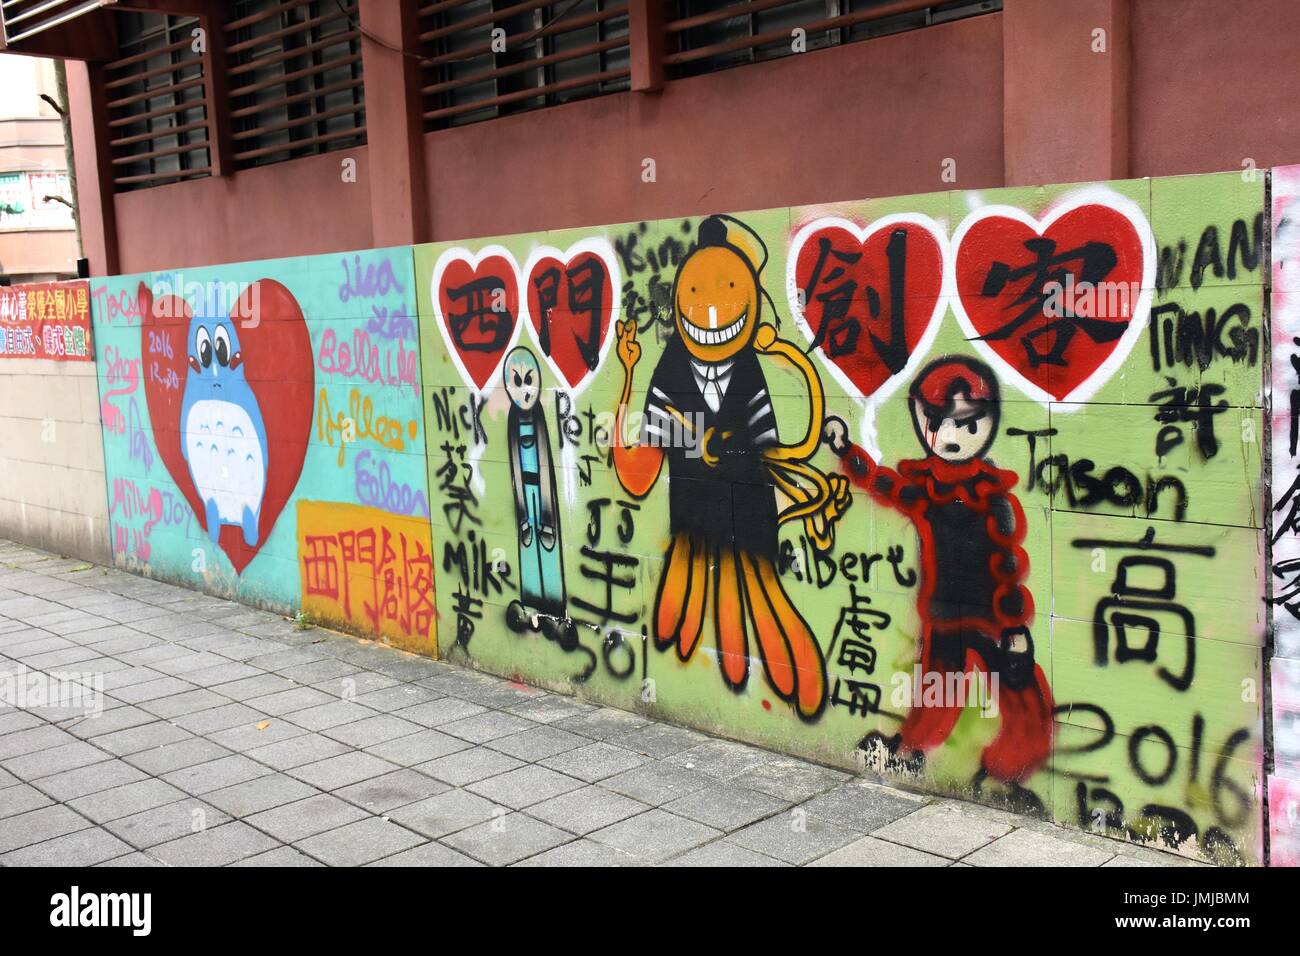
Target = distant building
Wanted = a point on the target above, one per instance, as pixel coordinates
(38, 239)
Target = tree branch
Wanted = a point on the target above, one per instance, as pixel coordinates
(54, 104)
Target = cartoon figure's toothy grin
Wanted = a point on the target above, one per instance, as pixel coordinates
(714, 336)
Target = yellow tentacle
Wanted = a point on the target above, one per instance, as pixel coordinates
(820, 505)
(766, 341)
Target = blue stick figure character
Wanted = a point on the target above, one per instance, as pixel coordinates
(541, 568)
(223, 436)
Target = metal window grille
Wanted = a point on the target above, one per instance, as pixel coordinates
(709, 35)
(155, 93)
(28, 18)
(490, 58)
(294, 76)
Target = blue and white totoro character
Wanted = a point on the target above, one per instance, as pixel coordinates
(222, 433)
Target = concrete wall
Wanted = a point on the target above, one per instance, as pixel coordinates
(52, 458)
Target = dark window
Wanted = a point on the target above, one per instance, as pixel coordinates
(294, 75)
(709, 35)
(545, 53)
(155, 90)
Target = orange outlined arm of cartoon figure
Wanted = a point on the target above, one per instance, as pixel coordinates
(637, 465)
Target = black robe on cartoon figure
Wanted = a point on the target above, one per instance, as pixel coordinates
(721, 493)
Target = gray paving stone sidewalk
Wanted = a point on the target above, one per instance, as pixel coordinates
(230, 737)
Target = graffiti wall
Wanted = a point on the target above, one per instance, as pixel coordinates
(263, 436)
(963, 488)
(1284, 783)
(966, 489)
(51, 456)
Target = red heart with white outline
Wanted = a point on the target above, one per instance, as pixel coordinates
(1055, 305)
(571, 301)
(869, 298)
(276, 354)
(476, 305)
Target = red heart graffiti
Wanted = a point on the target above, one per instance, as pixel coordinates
(476, 303)
(869, 299)
(571, 303)
(1058, 341)
(277, 359)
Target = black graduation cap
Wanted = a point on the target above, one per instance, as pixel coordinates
(713, 232)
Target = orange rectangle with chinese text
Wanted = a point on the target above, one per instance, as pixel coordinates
(369, 570)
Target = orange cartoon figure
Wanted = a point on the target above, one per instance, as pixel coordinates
(709, 413)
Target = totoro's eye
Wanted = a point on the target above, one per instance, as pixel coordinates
(203, 346)
(528, 378)
(518, 382)
(223, 345)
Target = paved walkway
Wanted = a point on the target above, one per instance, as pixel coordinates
(230, 736)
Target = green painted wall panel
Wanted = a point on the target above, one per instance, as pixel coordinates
(1127, 451)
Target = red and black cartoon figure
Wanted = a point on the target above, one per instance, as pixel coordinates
(709, 413)
(974, 607)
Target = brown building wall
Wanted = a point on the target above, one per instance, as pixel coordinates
(1214, 84)
(1013, 98)
(287, 209)
(868, 119)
